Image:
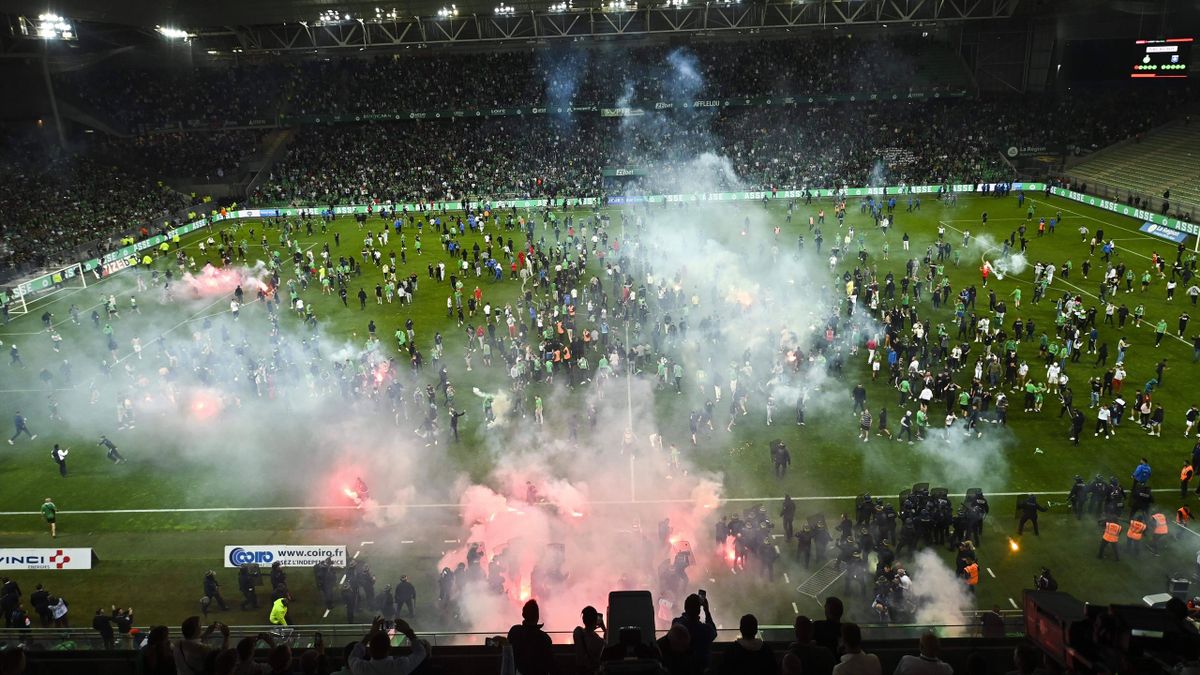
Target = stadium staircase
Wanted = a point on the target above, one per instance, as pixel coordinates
(69, 110)
(274, 147)
(1165, 158)
(942, 69)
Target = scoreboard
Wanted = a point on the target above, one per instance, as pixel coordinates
(1158, 59)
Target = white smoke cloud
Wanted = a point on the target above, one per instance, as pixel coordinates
(941, 597)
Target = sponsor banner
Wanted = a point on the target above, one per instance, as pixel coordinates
(1127, 210)
(621, 171)
(284, 554)
(621, 112)
(1164, 232)
(1015, 151)
(45, 558)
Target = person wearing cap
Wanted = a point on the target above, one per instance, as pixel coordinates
(406, 596)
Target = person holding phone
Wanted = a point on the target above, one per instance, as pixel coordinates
(377, 644)
(192, 651)
(588, 644)
(702, 633)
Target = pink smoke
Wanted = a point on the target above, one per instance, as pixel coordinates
(213, 282)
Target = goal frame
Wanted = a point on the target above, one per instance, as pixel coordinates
(42, 287)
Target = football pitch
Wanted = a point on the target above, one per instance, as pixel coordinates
(217, 459)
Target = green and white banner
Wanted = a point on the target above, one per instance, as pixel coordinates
(1127, 210)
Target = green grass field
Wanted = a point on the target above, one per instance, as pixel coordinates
(154, 559)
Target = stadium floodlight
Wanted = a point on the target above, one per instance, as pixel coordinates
(331, 17)
(505, 10)
(619, 6)
(677, 4)
(382, 15)
(448, 12)
(48, 27)
(173, 33)
(560, 7)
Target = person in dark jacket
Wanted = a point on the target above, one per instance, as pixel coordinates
(702, 632)
(748, 655)
(40, 600)
(828, 632)
(814, 658)
(212, 590)
(530, 644)
(102, 624)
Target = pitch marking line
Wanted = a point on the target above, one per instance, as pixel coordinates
(640, 502)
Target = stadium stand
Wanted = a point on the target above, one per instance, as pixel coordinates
(1165, 159)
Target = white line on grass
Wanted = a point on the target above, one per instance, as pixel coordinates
(610, 502)
(991, 573)
(1013, 603)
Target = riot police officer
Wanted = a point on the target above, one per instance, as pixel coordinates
(1077, 497)
(246, 586)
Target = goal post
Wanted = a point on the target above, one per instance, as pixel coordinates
(42, 288)
(13, 301)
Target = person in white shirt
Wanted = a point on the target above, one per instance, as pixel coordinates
(927, 663)
(855, 661)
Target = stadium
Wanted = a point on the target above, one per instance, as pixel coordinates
(599, 336)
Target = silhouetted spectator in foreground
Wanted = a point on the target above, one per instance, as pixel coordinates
(531, 644)
(748, 655)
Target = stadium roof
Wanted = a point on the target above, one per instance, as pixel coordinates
(196, 14)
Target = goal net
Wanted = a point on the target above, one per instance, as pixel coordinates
(40, 290)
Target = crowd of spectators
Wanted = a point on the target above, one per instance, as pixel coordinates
(610, 75)
(138, 99)
(198, 156)
(549, 155)
(691, 646)
(52, 203)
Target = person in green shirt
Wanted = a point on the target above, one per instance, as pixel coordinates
(1160, 329)
(50, 513)
(1138, 313)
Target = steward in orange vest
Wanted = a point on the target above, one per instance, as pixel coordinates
(1160, 531)
(971, 572)
(1185, 477)
(1112, 533)
(1183, 515)
(1133, 540)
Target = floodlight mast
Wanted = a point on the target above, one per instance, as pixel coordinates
(58, 125)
